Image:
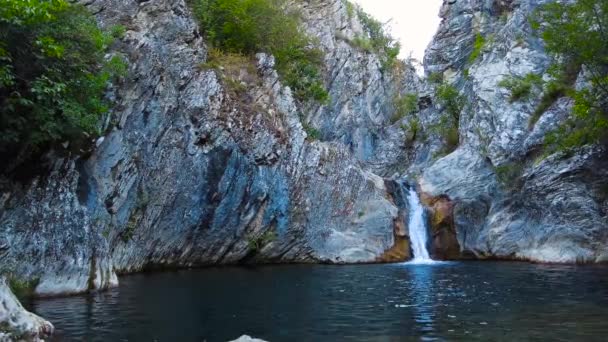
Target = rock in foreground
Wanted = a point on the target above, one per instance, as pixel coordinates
(16, 323)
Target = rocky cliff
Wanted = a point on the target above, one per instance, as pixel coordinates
(203, 166)
(509, 201)
(195, 171)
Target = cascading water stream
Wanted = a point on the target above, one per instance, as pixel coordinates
(417, 228)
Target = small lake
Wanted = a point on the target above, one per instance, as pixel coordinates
(484, 301)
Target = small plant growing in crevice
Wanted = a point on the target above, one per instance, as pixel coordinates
(561, 85)
(362, 43)
(118, 31)
(129, 230)
(435, 78)
(141, 202)
(412, 130)
(257, 243)
(508, 173)
(450, 99)
(311, 132)
(478, 46)
(404, 105)
(521, 88)
(448, 124)
(351, 9)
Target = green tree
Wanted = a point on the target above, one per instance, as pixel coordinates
(377, 40)
(251, 26)
(52, 76)
(576, 34)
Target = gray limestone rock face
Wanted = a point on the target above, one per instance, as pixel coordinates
(194, 171)
(202, 166)
(509, 201)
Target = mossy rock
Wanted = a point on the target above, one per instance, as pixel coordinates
(22, 288)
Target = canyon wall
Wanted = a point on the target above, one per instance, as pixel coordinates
(205, 166)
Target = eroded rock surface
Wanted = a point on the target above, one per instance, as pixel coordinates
(508, 202)
(196, 171)
(16, 323)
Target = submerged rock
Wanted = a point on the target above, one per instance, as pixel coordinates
(247, 338)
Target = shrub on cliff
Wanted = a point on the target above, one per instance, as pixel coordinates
(251, 26)
(52, 76)
(379, 40)
(448, 124)
(576, 34)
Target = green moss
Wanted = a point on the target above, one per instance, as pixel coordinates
(508, 173)
(23, 289)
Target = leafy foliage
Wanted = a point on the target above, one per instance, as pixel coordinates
(448, 96)
(521, 87)
(250, 26)
(508, 173)
(577, 35)
(52, 76)
(448, 124)
(478, 46)
(377, 40)
(412, 130)
(350, 8)
(404, 105)
(311, 132)
(435, 78)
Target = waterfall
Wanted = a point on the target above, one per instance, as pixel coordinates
(417, 227)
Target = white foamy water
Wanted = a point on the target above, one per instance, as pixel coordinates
(417, 229)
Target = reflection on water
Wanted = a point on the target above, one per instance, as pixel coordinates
(443, 301)
(422, 293)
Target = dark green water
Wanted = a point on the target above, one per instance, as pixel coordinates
(485, 301)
